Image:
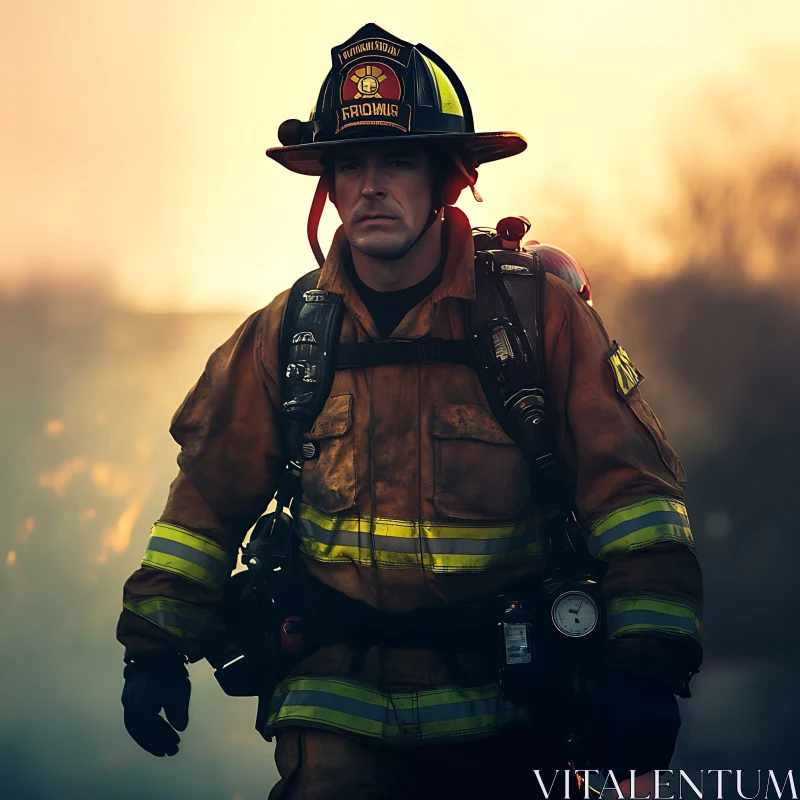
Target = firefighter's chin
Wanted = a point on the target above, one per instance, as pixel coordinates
(381, 241)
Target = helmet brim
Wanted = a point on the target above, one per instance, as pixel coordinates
(306, 159)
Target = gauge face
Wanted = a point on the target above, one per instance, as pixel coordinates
(575, 614)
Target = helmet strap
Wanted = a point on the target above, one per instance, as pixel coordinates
(437, 209)
(432, 217)
(314, 216)
(467, 177)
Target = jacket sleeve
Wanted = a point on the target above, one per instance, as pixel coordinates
(230, 460)
(628, 488)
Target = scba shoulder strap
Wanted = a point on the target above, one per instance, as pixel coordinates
(309, 336)
(506, 322)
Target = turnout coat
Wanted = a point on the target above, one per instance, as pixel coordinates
(417, 498)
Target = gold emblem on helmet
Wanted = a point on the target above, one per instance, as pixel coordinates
(368, 79)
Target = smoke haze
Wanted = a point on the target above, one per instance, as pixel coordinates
(86, 463)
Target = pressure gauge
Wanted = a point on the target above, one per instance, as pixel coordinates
(575, 614)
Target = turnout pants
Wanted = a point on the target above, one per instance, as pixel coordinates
(322, 765)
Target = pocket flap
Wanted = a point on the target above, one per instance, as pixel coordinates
(467, 421)
(335, 418)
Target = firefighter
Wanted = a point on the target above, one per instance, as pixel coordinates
(414, 498)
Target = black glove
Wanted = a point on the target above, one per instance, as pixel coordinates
(633, 725)
(153, 683)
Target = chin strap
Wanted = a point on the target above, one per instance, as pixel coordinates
(432, 217)
(314, 216)
(436, 210)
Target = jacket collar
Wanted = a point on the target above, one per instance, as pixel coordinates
(458, 279)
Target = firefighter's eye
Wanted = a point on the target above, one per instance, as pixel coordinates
(349, 166)
(400, 163)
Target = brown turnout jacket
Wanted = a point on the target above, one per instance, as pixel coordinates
(410, 455)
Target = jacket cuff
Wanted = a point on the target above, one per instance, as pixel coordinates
(659, 658)
(143, 639)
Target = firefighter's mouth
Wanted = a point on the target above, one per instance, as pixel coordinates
(375, 218)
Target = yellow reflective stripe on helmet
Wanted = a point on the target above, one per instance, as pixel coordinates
(396, 717)
(650, 613)
(182, 620)
(640, 524)
(438, 546)
(189, 554)
(448, 96)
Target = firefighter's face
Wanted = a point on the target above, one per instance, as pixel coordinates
(384, 196)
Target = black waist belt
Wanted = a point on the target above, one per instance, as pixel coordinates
(334, 618)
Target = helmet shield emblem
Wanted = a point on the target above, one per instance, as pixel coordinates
(371, 94)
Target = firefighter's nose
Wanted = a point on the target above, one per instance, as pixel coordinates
(373, 183)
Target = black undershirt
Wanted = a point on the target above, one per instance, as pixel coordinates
(387, 309)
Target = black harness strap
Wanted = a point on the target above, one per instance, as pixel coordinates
(312, 320)
(427, 351)
(505, 321)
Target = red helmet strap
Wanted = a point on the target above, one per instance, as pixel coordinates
(314, 216)
(467, 176)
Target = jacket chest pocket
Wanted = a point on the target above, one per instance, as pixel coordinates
(329, 479)
(479, 472)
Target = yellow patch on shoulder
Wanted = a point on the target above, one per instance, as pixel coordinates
(626, 376)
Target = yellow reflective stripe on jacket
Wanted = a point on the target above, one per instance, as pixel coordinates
(649, 614)
(640, 524)
(182, 620)
(187, 553)
(438, 546)
(397, 717)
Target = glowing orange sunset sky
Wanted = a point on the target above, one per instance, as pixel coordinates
(134, 131)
